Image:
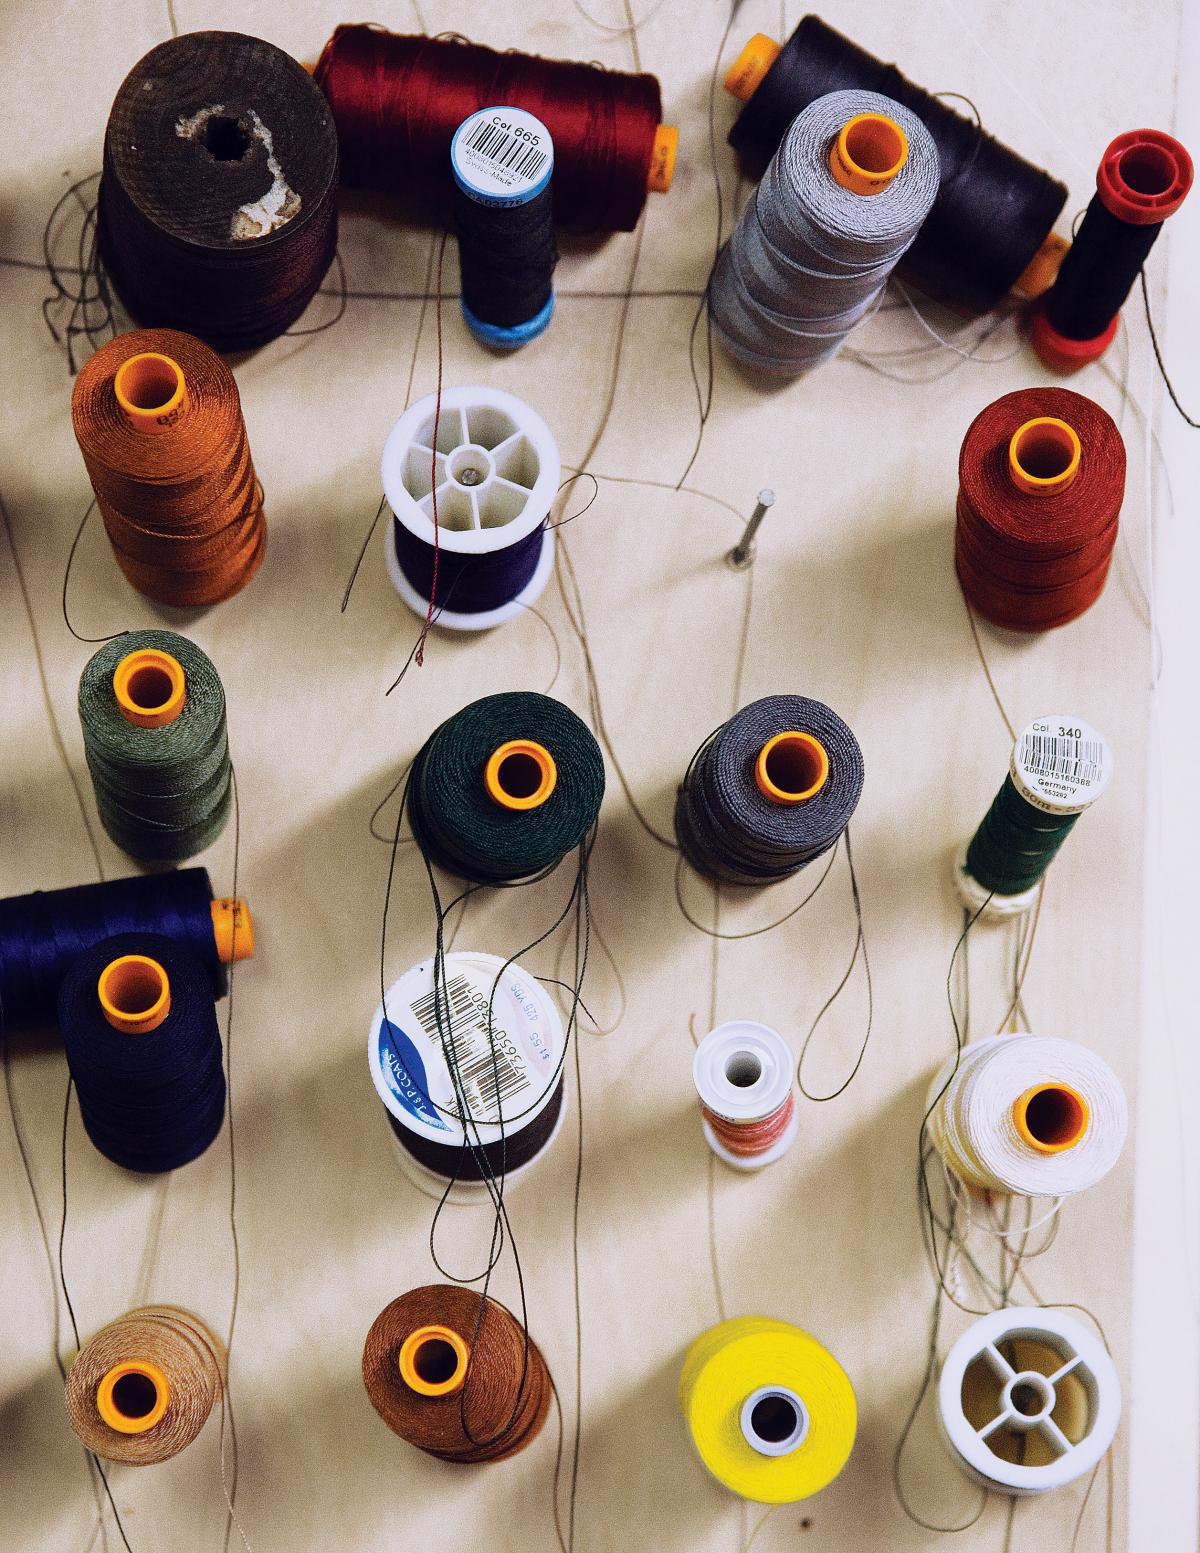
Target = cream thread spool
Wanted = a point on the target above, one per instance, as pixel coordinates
(1028, 1400)
(1027, 1115)
(744, 1075)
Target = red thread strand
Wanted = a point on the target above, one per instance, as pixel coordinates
(397, 101)
(749, 1139)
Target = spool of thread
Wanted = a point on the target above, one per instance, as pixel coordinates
(471, 1080)
(1041, 480)
(1058, 768)
(159, 423)
(771, 1413)
(846, 193)
(743, 1074)
(43, 934)
(1143, 179)
(152, 710)
(1028, 1115)
(218, 199)
(142, 1389)
(398, 100)
(769, 792)
(494, 476)
(458, 1381)
(1028, 1400)
(989, 230)
(139, 1024)
(506, 788)
(503, 160)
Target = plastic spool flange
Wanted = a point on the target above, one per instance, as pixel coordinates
(997, 908)
(743, 1072)
(466, 1193)
(498, 471)
(1084, 1358)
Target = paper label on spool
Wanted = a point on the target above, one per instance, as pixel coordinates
(502, 156)
(1061, 764)
(494, 1049)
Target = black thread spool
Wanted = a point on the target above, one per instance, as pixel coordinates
(217, 209)
(502, 160)
(994, 211)
(1143, 178)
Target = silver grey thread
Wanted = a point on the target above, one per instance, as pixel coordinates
(809, 259)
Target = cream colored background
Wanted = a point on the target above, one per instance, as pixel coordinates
(855, 603)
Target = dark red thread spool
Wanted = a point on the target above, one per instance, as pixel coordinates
(397, 100)
(1041, 480)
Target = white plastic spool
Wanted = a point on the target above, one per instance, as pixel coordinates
(498, 471)
(1059, 1403)
(743, 1072)
(1059, 764)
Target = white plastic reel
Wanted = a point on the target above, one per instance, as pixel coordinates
(999, 908)
(1057, 1414)
(464, 1193)
(743, 1072)
(498, 470)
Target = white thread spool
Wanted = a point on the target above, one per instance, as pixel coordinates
(1028, 1115)
(743, 1072)
(1033, 1418)
(509, 1076)
(498, 471)
(1060, 764)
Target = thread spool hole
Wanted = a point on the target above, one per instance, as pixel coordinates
(792, 767)
(520, 775)
(134, 986)
(1055, 1117)
(149, 382)
(876, 144)
(435, 1361)
(224, 138)
(743, 1069)
(1147, 169)
(1045, 451)
(773, 1419)
(149, 687)
(1029, 1398)
(135, 1395)
(469, 466)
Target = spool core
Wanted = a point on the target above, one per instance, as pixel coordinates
(1051, 1117)
(521, 774)
(150, 687)
(134, 993)
(791, 767)
(868, 153)
(1144, 177)
(773, 1421)
(433, 1361)
(1043, 456)
(662, 159)
(748, 69)
(151, 391)
(132, 1397)
(233, 929)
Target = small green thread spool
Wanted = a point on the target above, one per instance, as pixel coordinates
(152, 711)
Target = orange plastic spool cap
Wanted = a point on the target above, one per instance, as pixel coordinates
(151, 391)
(791, 767)
(433, 1361)
(134, 993)
(868, 153)
(521, 774)
(748, 69)
(1051, 1117)
(1044, 456)
(662, 159)
(150, 688)
(233, 929)
(132, 1397)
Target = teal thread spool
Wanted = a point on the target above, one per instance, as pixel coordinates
(152, 711)
(504, 789)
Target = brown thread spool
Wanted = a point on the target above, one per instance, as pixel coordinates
(142, 1389)
(159, 422)
(455, 1393)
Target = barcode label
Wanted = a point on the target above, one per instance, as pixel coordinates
(1061, 765)
(512, 152)
(1072, 760)
(486, 1071)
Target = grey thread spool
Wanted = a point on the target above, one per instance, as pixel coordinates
(810, 255)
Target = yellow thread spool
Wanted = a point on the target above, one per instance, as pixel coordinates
(1051, 1117)
(233, 929)
(772, 1414)
(748, 69)
(150, 687)
(868, 153)
(791, 767)
(662, 159)
(433, 1361)
(1044, 456)
(151, 391)
(132, 1397)
(520, 775)
(134, 993)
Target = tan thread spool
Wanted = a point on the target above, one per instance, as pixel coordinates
(142, 1389)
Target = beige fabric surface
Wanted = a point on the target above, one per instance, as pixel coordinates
(855, 602)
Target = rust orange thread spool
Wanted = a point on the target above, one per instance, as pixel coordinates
(159, 422)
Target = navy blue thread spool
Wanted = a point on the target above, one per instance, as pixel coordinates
(139, 1024)
(502, 159)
